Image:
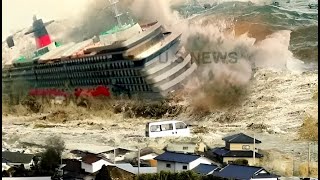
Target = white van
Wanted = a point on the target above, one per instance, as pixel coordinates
(167, 128)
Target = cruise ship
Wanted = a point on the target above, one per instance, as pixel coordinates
(146, 60)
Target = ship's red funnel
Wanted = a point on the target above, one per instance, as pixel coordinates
(43, 41)
(40, 32)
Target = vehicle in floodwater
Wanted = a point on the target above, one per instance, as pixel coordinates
(167, 128)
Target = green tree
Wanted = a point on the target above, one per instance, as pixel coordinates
(51, 158)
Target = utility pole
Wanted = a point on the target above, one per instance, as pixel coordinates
(254, 149)
(138, 161)
(309, 158)
(114, 152)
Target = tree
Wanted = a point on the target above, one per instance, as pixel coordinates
(241, 162)
(51, 158)
(20, 171)
(103, 174)
(5, 173)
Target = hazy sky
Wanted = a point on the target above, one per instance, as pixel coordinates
(17, 14)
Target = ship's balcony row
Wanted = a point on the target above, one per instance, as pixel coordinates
(24, 73)
(122, 80)
(93, 82)
(93, 74)
(19, 78)
(83, 61)
(90, 67)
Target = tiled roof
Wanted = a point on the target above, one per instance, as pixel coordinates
(90, 158)
(204, 169)
(227, 153)
(220, 151)
(242, 172)
(238, 172)
(176, 157)
(240, 138)
(16, 157)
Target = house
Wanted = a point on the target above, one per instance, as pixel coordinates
(106, 151)
(5, 166)
(238, 146)
(206, 169)
(187, 147)
(92, 163)
(148, 154)
(16, 159)
(71, 170)
(135, 170)
(241, 172)
(116, 173)
(175, 162)
(118, 152)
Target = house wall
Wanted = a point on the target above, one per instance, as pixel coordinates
(26, 166)
(239, 147)
(227, 145)
(161, 166)
(176, 167)
(201, 160)
(94, 167)
(153, 163)
(201, 147)
(179, 167)
(250, 160)
(148, 156)
(179, 148)
(86, 167)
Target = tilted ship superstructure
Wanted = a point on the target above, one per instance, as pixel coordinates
(129, 58)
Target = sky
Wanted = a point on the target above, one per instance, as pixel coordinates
(17, 14)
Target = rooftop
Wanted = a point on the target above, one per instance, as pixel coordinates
(243, 172)
(227, 153)
(177, 157)
(240, 138)
(205, 169)
(90, 158)
(134, 170)
(16, 157)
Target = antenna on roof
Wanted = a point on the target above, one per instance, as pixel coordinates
(116, 12)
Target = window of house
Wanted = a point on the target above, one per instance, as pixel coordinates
(185, 148)
(245, 147)
(166, 127)
(185, 167)
(168, 165)
(181, 125)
